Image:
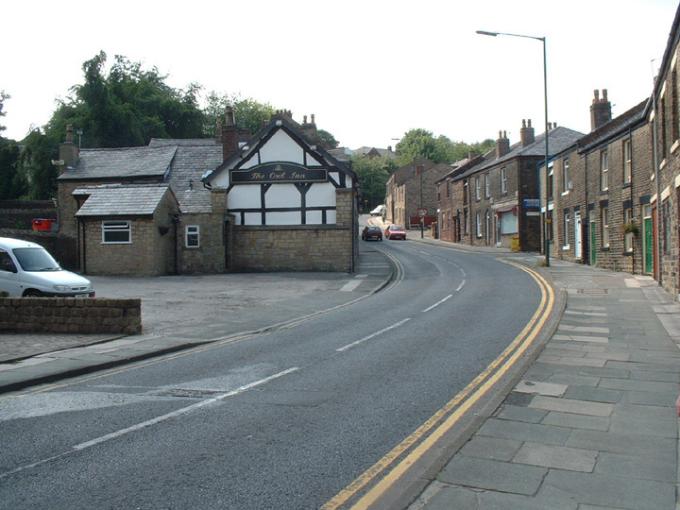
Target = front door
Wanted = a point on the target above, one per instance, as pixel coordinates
(577, 235)
(648, 237)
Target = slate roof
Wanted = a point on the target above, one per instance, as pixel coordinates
(559, 139)
(121, 200)
(121, 163)
(190, 164)
(614, 127)
(364, 150)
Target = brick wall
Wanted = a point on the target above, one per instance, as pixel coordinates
(19, 214)
(70, 315)
(298, 247)
(209, 257)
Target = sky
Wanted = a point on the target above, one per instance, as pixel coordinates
(369, 70)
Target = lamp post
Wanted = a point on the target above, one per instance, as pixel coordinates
(546, 223)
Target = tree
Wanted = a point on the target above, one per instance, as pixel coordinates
(420, 143)
(250, 114)
(326, 139)
(373, 174)
(12, 183)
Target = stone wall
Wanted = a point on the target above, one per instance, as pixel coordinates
(70, 315)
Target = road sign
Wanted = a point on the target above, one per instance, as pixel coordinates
(532, 202)
(422, 212)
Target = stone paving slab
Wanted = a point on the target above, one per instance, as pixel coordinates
(493, 475)
(559, 457)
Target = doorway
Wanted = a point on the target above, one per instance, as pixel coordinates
(577, 235)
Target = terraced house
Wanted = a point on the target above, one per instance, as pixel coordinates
(273, 201)
(615, 193)
(496, 198)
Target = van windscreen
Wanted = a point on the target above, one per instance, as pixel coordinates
(35, 259)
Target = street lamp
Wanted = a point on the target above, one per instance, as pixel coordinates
(546, 224)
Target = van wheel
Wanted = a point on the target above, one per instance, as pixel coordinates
(32, 293)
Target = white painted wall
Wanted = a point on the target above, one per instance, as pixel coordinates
(244, 196)
(284, 218)
(281, 147)
(250, 162)
(253, 219)
(221, 181)
(282, 195)
(330, 217)
(321, 195)
(313, 217)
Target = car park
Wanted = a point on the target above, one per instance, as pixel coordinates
(372, 232)
(27, 269)
(395, 232)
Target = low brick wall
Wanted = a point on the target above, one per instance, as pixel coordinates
(70, 315)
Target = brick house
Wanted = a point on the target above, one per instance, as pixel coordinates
(452, 201)
(599, 192)
(412, 187)
(202, 225)
(496, 200)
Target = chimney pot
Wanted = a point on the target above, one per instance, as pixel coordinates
(526, 134)
(304, 119)
(600, 110)
(313, 121)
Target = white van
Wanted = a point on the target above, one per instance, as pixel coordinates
(378, 211)
(27, 269)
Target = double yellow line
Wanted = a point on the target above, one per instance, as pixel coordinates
(425, 436)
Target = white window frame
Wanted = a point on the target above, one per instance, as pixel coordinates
(604, 216)
(627, 161)
(192, 230)
(112, 226)
(566, 221)
(604, 170)
(566, 178)
(504, 181)
(478, 189)
(487, 186)
(628, 237)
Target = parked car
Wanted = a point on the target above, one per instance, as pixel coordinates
(395, 232)
(27, 269)
(371, 232)
(378, 211)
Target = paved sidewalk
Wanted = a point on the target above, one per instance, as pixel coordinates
(270, 301)
(592, 423)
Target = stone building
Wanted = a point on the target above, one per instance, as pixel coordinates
(496, 200)
(208, 234)
(413, 187)
(599, 193)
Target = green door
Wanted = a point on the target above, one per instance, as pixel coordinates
(593, 244)
(649, 249)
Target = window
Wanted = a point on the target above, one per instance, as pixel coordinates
(478, 225)
(465, 222)
(465, 192)
(478, 191)
(6, 263)
(487, 226)
(192, 236)
(504, 181)
(604, 170)
(487, 186)
(566, 224)
(116, 232)
(604, 215)
(550, 181)
(566, 176)
(627, 162)
(628, 236)
(662, 121)
(675, 131)
(439, 194)
(508, 222)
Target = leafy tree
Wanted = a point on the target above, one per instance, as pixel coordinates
(326, 139)
(420, 143)
(35, 163)
(373, 174)
(250, 114)
(12, 184)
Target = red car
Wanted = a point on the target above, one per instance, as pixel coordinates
(395, 232)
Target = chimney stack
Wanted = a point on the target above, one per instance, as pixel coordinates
(526, 133)
(68, 151)
(502, 144)
(600, 110)
(229, 134)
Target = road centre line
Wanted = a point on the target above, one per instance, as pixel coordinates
(372, 335)
(438, 303)
(174, 414)
(445, 418)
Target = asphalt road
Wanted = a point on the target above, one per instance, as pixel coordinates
(283, 420)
